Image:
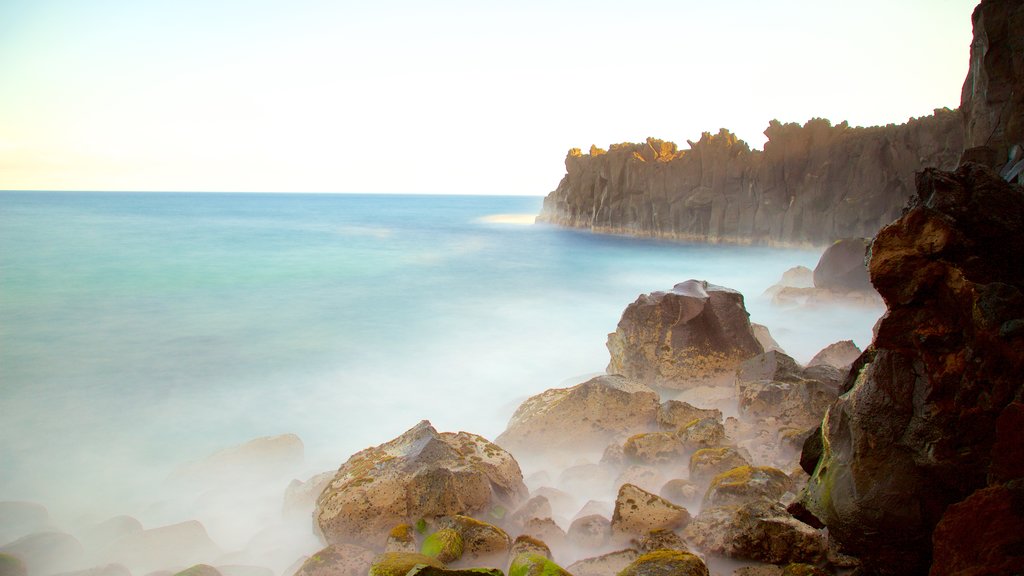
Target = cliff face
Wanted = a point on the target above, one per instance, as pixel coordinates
(812, 184)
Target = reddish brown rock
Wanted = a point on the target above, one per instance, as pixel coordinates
(984, 534)
(916, 429)
(695, 334)
(812, 184)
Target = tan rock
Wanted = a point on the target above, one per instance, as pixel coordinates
(609, 564)
(757, 530)
(338, 560)
(654, 448)
(838, 355)
(637, 512)
(746, 484)
(707, 463)
(662, 562)
(590, 532)
(674, 415)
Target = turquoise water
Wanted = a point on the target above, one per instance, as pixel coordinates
(139, 331)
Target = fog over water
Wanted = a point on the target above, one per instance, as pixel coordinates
(139, 332)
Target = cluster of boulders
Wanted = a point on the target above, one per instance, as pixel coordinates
(840, 277)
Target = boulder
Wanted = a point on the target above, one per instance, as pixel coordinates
(535, 507)
(703, 433)
(773, 385)
(839, 355)
(445, 546)
(338, 560)
(681, 492)
(756, 530)
(915, 429)
(589, 532)
(982, 534)
(547, 531)
(648, 478)
(401, 538)
(707, 463)
(694, 334)
(764, 337)
(843, 266)
(664, 562)
(399, 563)
(746, 484)
(587, 416)
(660, 540)
(610, 564)
(45, 553)
(530, 545)
(637, 512)
(528, 564)
(481, 540)
(654, 448)
(420, 474)
(674, 415)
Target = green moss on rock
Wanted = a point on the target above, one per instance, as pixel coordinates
(446, 545)
(530, 564)
(399, 563)
(11, 566)
(803, 570)
(666, 563)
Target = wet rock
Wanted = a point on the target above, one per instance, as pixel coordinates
(420, 474)
(654, 448)
(529, 544)
(45, 553)
(674, 415)
(165, 547)
(773, 385)
(610, 564)
(399, 563)
(660, 540)
(839, 355)
(401, 538)
(843, 266)
(445, 546)
(758, 530)
(481, 540)
(984, 534)
(746, 484)
(637, 512)
(527, 564)
(338, 560)
(707, 463)
(590, 532)
(681, 492)
(19, 519)
(663, 562)
(588, 416)
(915, 430)
(695, 334)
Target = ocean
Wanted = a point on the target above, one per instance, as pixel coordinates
(139, 331)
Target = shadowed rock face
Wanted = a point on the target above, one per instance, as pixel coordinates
(689, 336)
(917, 429)
(812, 184)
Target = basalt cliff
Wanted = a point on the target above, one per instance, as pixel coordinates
(811, 185)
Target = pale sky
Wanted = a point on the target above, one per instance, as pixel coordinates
(473, 97)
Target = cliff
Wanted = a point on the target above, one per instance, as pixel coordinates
(812, 184)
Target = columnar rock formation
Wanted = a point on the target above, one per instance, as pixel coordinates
(812, 184)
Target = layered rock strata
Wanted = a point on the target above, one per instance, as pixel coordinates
(811, 185)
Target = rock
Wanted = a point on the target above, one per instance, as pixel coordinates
(983, 534)
(234, 570)
(300, 497)
(530, 545)
(268, 456)
(764, 338)
(399, 563)
(338, 560)
(445, 546)
(610, 564)
(680, 492)
(590, 532)
(992, 100)
(115, 570)
(547, 531)
(11, 566)
(915, 429)
(843, 266)
(169, 547)
(695, 334)
(481, 540)
(536, 507)
(587, 416)
(762, 570)
(401, 538)
(637, 512)
(746, 484)
(674, 415)
(838, 355)
(773, 385)
(420, 474)
(45, 553)
(798, 569)
(199, 570)
(812, 184)
(424, 570)
(703, 433)
(561, 502)
(665, 562)
(613, 456)
(757, 530)
(648, 478)
(527, 564)
(707, 463)
(654, 448)
(102, 534)
(599, 507)
(660, 540)
(19, 519)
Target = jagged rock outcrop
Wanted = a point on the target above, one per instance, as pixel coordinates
(837, 355)
(992, 100)
(692, 335)
(774, 385)
(757, 530)
(420, 474)
(919, 426)
(812, 184)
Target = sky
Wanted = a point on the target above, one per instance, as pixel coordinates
(450, 97)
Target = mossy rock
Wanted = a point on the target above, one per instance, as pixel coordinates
(199, 570)
(804, 570)
(11, 566)
(446, 545)
(479, 538)
(399, 563)
(431, 571)
(530, 564)
(747, 484)
(666, 563)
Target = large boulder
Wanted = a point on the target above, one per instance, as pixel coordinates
(666, 562)
(587, 416)
(746, 484)
(707, 463)
(774, 385)
(983, 534)
(843, 266)
(694, 334)
(756, 530)
(609, 564)
(637, 512)
(420, 474)
(917, 427)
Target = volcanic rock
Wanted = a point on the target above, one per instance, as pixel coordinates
(774, 385)
(663, 562)
(399, 563)
(746, 484)
(590, 532)
(338, 560)
(839, 355)
(529, 545)
(674, 415)
(707, 463)
(757, 530)
(654, 448)
(420, 474)
(695, 334)
(610, 564)
(637, 512)
(843, 267)
(983, 534)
